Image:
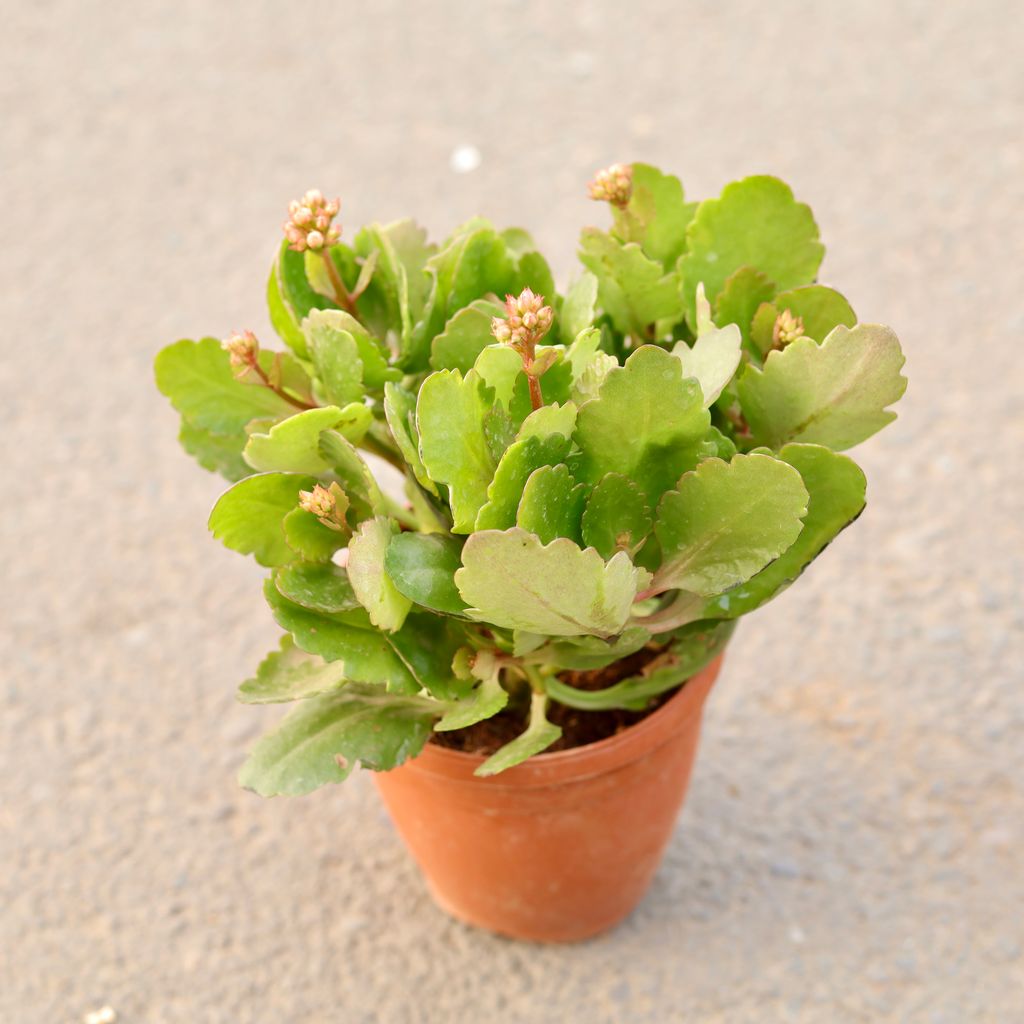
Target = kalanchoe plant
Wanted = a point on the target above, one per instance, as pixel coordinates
(627, 467)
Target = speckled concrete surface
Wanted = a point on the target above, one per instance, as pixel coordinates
(851, 850)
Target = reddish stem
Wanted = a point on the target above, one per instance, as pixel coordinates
(341, 294)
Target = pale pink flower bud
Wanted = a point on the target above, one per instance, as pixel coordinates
(242, 348)
(787, 328)
(328, 504)
(527, 320)
(613, 185)
(310, 222)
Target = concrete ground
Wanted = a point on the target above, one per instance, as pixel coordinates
(851, 849)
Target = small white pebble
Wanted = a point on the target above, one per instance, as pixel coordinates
(104, 1015)
(465, 159)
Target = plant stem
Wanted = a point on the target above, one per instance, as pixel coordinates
(341, 294)
(536, 398)
(280, 392)
(537, 681)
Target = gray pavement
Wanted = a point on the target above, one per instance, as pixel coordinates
(851, 849)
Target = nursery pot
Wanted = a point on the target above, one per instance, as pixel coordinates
(561, 847)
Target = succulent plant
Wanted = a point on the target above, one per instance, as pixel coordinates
(627, 467)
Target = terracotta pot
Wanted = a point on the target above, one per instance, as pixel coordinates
(561, 847)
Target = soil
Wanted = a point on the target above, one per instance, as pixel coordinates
(578, 727)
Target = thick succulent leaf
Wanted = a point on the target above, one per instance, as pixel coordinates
(835, 394)
(422, 566)
(510, 579)
(386, 605)
(293, 445)
(335, 355)
(584, 349)
(291, 296)
(549, 420)
(309, 538)
(291, 674)
(726, 521)
(757, 223)
(617, 517)
(485, 701)
(247, 517)
(634, 290)
(398, 291)
(692, 651)
(657, 214)
(648, 423)
(219, 453)
(552, 504)
(400, 413)
(500, 367)
(514, 469)
(465, 336)
(418, 656)
(450, 412)
(197, 377)
(587, 384)
(714, 356)
(836, 486)
(741, 295)
(578, 309)
(821, 308)
(539, 735)
(319, 586)
(323, 738)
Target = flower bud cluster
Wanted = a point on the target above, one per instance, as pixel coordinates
(310, 223)
(787, 328)
(526, 320)
(243, 350)
(613, 185)
(328, 504)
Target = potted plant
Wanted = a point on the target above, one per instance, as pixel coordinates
(509, 532)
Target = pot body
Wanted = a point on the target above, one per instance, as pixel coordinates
(561, 847)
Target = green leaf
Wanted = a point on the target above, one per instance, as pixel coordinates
(836, 486)
(197, 377)
(715, 354)
(247, 517)
(291, 674)
(422, 566)
(324, 737)
(834, 394)
(657, 215)
(539, 735)
(583, 351)
(552, 504)
(293, 444)
(533, 272)
(821, 308)
(755, 223)
(616, 517)
(450, 412)
(318, 586)
(578, 309)
(741, 295)
(291, 297)
(500, 367)
(464, 337)
(549, 420)
(635, 291)
(512, 580)
(727, 521)
(514, 469)
(219, 453)
(386, 605)
(309, 538)
(400, 412)
(648, 423)
(485, 701)
(369, 655)
(335, 356)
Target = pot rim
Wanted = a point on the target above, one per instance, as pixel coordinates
(590, 759)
